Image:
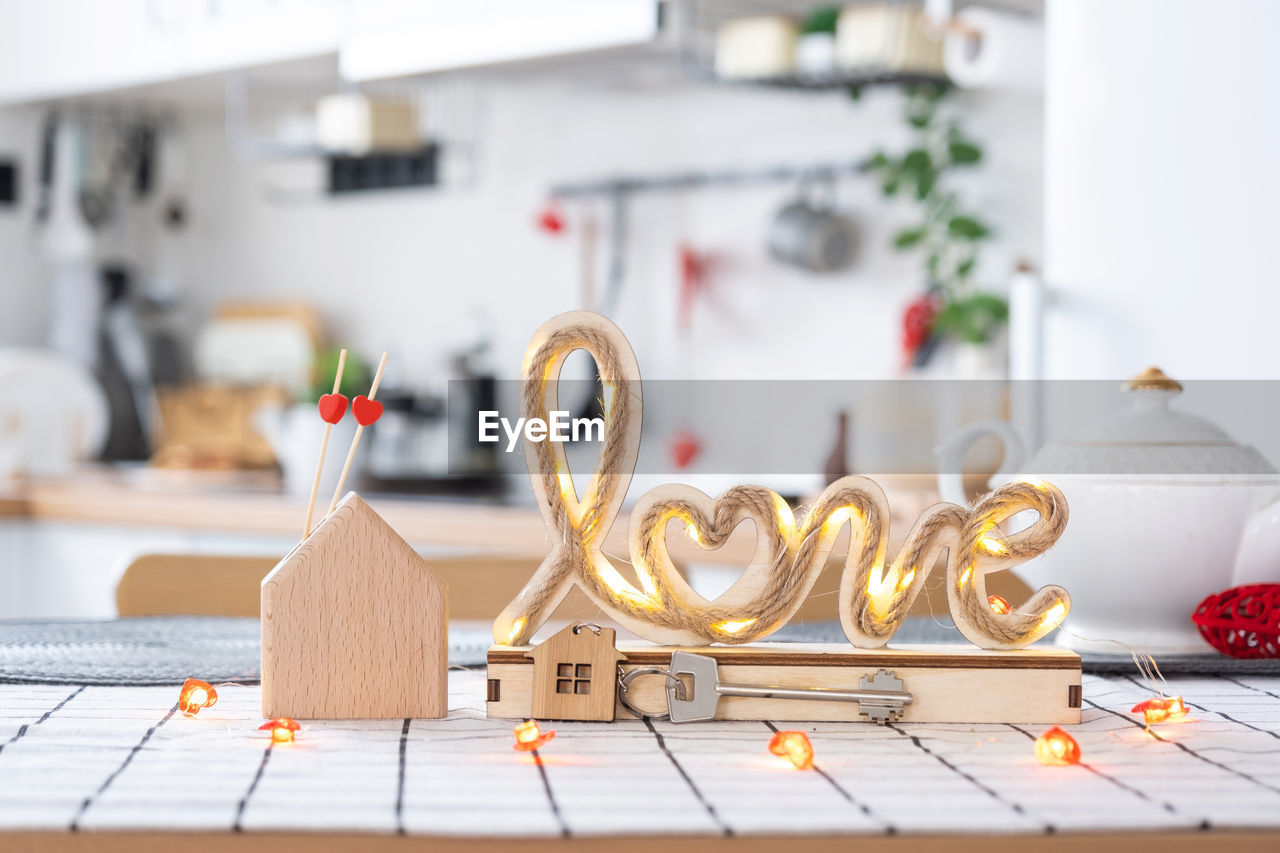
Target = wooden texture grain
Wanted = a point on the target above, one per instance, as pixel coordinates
(354, 625)
(949, 684)
(562, 688)
(192, 584)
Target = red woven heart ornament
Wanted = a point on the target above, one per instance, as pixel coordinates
(366, 411)
(1243, 622)
(332, 407)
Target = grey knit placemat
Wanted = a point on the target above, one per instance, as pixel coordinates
(154, 650)
(943, 631)
(161, 650)
(145, 651)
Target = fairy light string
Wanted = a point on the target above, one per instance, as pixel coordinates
(1164, 706)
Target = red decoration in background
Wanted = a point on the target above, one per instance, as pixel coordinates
(366, 411)
(1243, 622)
(694, 269)
(685, 447)
(551, 218)
(795, 747)
(332, 407)
(917, 324)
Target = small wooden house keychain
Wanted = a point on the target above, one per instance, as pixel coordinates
(575, 674)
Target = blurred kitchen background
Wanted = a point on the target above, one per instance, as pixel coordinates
(200, 200)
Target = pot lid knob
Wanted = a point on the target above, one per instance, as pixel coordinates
(1152, 379)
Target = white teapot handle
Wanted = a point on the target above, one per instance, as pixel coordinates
(949, 456)
(1258, 557)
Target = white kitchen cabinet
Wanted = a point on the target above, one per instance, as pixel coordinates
(60, 48)
(11, 555)
(69, 570)
(63, 48)
(388, 38)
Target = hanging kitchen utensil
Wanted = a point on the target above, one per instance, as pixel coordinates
(95, 194)
(810, 234)
(837, 464)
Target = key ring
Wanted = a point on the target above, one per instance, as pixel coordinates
(624, 683)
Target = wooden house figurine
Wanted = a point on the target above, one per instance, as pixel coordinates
(355, 625)
(575, 674)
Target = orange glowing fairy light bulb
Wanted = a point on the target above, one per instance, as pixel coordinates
(1162, 709)
(529, 737)
(281, 728)
(195, 695)
(999, 604)
(795, 747)
(1056, 747)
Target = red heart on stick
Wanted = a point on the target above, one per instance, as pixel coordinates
(366, 411)
(332, 407)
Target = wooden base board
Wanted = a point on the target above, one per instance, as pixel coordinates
(949, 684)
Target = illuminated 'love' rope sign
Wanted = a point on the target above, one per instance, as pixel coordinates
(875, 595)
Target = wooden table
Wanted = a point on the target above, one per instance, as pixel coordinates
(246, 503)
(117, 768)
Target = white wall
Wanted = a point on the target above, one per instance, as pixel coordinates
(407, 270)
(404, 270)
(1161, 186)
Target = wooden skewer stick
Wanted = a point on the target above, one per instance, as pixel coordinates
(324, 446)
(355, 442)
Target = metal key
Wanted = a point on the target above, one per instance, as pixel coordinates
(880, 697)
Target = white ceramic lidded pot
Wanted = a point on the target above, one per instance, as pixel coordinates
(1165, 508)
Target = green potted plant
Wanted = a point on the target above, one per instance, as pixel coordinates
(947, 235)
(816, 47)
